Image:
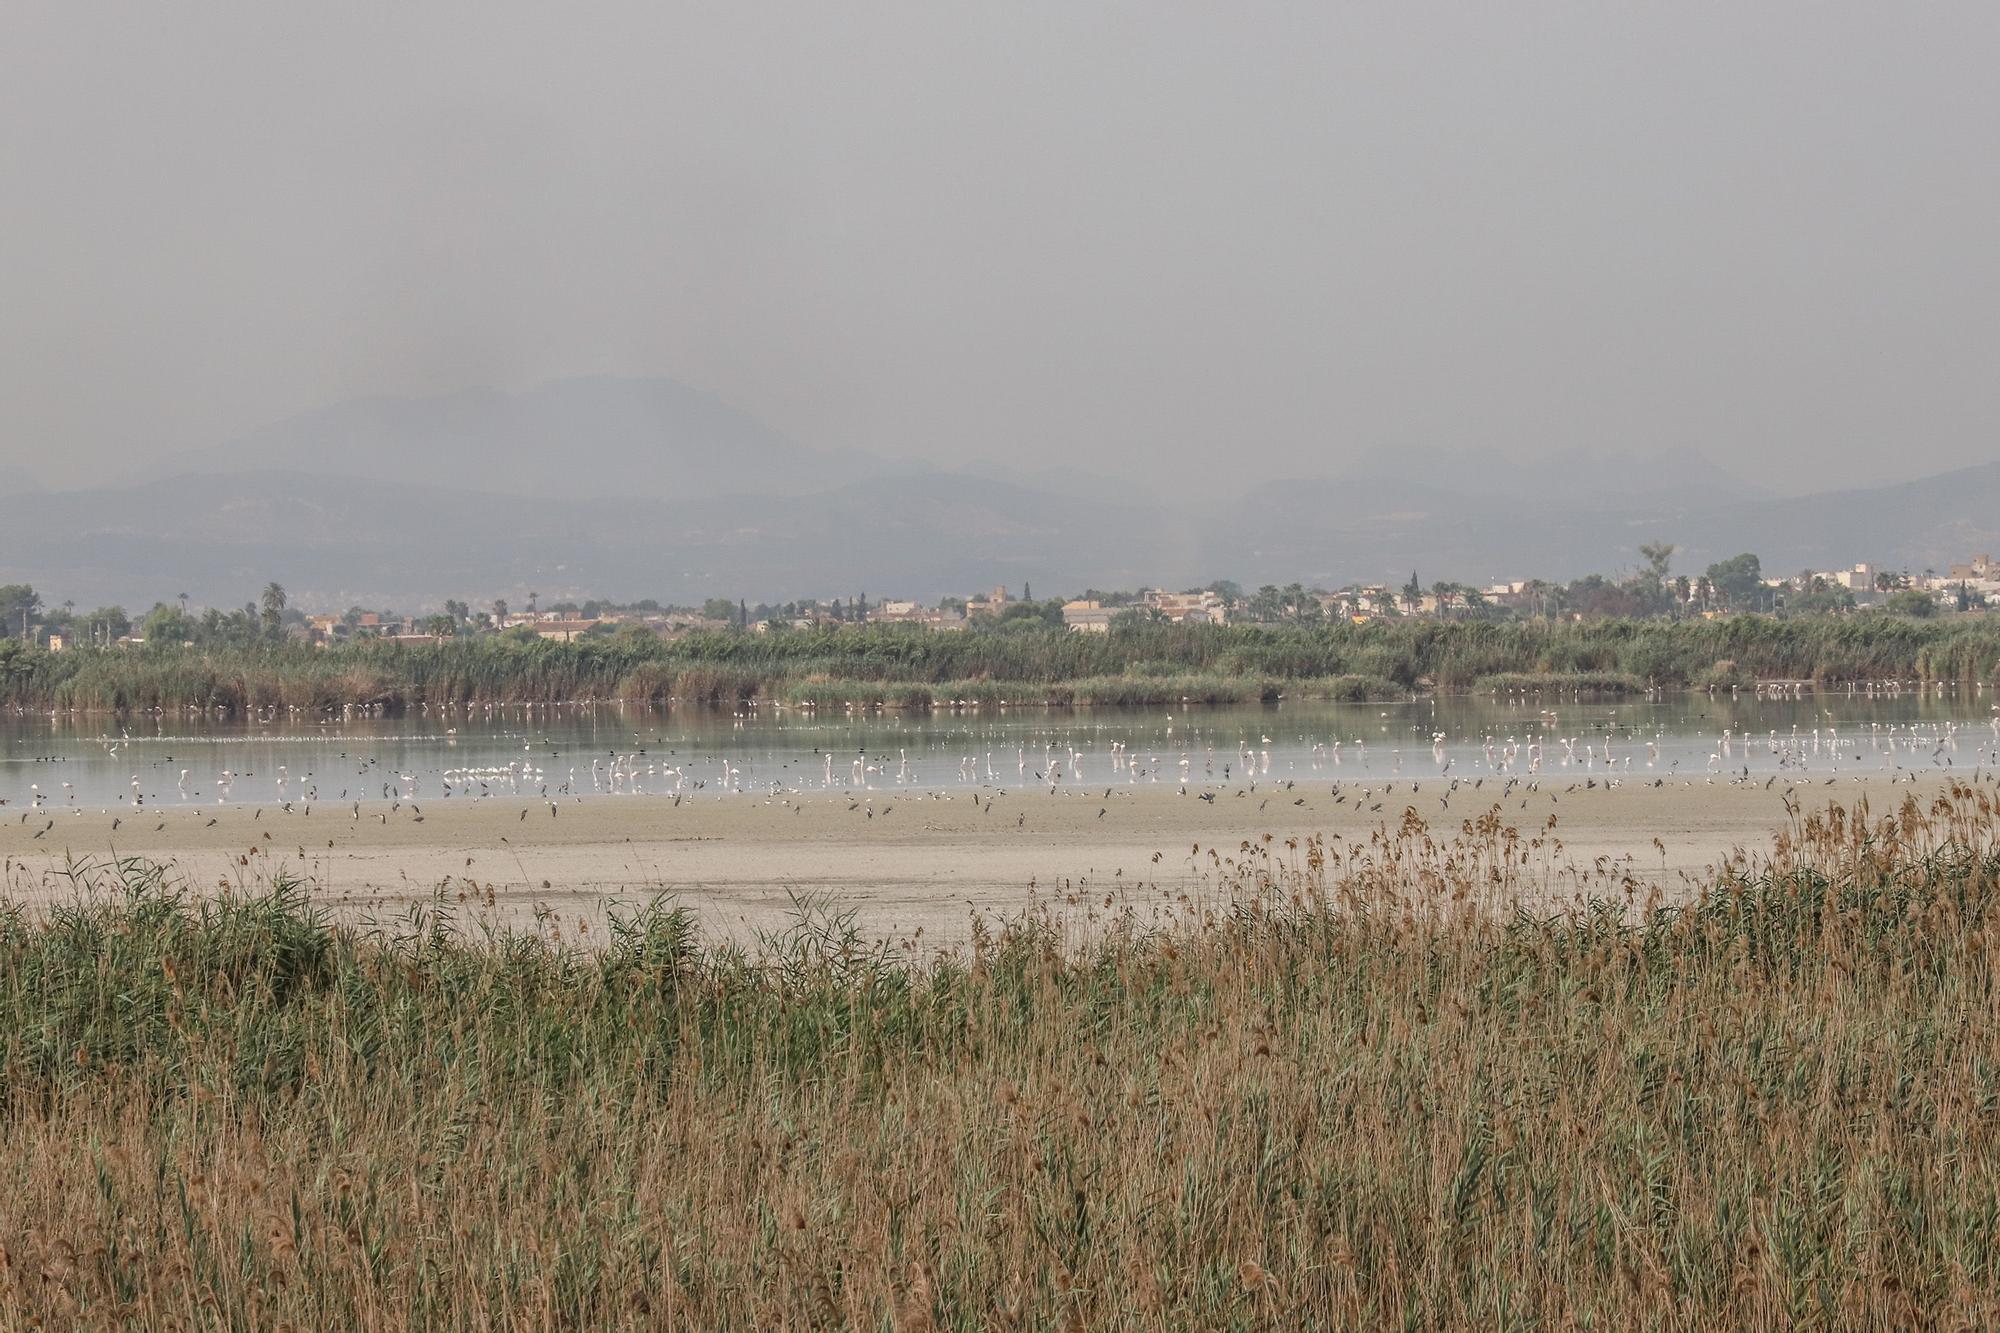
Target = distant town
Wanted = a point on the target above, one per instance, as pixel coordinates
(1738, 585)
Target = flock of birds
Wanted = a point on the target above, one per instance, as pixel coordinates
(1602, 747)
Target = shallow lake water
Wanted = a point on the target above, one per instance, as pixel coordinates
(611, 751)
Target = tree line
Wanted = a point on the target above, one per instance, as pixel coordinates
(1023, 661)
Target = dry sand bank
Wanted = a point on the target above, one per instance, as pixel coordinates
(903, 861)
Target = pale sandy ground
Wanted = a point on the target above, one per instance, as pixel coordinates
(907, 864)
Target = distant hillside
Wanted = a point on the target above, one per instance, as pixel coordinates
(637, 488)
(1601, 477)
(219, 538)
(568, 439)
(1932, 522)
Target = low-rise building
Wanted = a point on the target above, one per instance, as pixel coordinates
(905, 611)
(1187, 608)
(990, 605)
(1088, 617)
(564, 631)
(1980, 567)
(1367, 603)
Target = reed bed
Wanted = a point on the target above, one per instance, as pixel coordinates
(1034, 665)
(1603, 684)
(1131, 689)
(1349, 688)
(1344, 1085)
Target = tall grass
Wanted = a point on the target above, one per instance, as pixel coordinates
(1037, 666)
(897, 665)
(1553, 683)
(1368, 1095)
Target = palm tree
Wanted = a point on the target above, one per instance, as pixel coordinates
(1295, 602)
(184, 602)
(274, 605)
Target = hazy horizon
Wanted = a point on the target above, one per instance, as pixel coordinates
(229, 452)
(1101, 238)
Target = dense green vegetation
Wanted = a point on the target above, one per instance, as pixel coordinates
(1350, 1103)
(1028, 663)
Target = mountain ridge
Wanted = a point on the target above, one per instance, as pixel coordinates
(418, 503)
(589, 437)
(220, 536)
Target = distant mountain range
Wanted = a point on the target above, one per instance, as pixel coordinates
(575, 439)
(637, 488)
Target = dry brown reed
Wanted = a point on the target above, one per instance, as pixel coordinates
(1380, 1091)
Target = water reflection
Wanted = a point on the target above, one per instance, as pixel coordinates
(636, 750)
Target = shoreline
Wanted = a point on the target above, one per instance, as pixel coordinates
(911, 865)
(1558, 686)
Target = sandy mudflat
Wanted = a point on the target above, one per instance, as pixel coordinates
(903, 861)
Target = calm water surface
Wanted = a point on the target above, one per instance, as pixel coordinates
(609, 751)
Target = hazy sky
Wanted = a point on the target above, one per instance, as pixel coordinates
(1275, 237)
